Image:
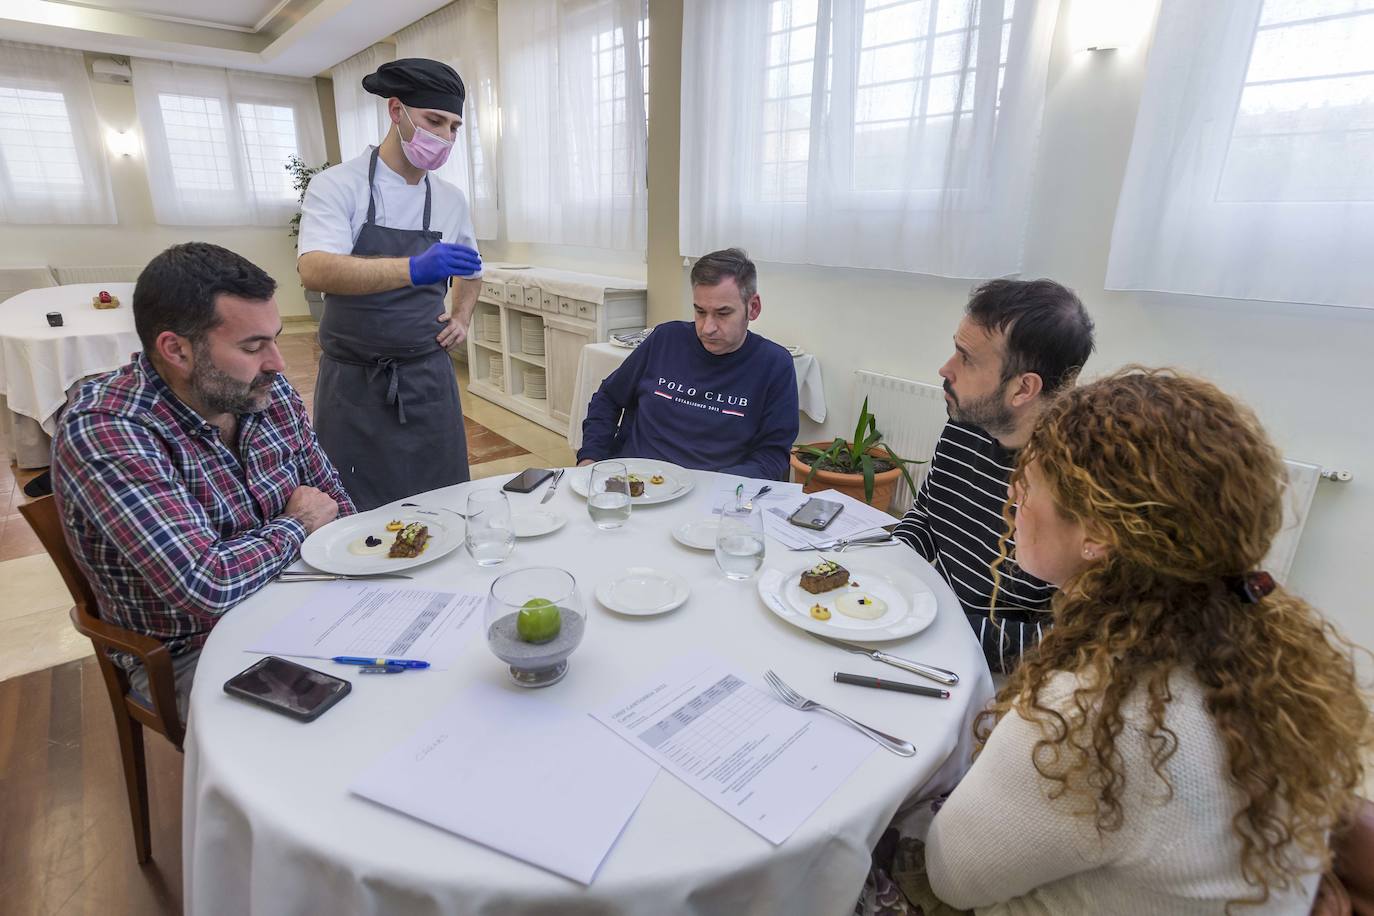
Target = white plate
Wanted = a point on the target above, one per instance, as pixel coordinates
(911, 605)
(642, 591)
(330, 548)
(699, 534)
(536, 522)
(676, 481)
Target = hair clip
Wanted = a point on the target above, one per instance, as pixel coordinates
(1252, 587)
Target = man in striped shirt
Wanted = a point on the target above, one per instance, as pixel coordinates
(187, 479)
(1019, 343)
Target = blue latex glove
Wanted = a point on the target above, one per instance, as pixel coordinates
(444, 260)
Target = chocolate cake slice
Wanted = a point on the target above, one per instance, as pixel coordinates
(410, 540)
(825, 576)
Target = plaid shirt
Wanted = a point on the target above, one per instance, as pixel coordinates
(171, 526)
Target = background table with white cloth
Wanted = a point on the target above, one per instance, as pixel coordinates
(601, 359)
(269, 825)
(39, 363)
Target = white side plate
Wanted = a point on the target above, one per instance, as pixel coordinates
(642, 591)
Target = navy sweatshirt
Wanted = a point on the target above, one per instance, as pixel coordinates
(735, 413)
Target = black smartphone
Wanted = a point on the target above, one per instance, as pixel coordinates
(816, 513)
(527, 480)
(288, 688)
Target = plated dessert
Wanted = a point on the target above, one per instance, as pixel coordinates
(618, 485)
(825, 576)
(410, 541)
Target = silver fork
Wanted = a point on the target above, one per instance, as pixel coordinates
(763, 491)
(797, 701)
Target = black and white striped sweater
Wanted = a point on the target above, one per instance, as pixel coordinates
(955, 522)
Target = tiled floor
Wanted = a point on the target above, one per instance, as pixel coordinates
(35, 632)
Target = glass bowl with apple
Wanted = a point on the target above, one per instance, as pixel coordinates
(534, 622)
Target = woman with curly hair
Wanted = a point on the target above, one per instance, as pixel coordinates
(1187, 734)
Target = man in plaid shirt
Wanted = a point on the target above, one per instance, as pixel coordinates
(189, 478)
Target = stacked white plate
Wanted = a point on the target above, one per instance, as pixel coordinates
(491, 327)
(535, 383)
(532, 335)
(497, 374)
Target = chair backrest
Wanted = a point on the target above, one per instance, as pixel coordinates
(41, 514)
(14, 280)
(120, 273)
(43, 517)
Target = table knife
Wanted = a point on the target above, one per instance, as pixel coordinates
(558, 476)
(293, 576)
(943, 675)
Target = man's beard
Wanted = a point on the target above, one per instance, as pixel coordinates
(989, 413)
(219, 392)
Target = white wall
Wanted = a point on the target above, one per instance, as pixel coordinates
(1304, 369)
(138, 237)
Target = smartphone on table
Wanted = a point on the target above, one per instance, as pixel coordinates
(288, 688)
(816, 513)
(527, 480)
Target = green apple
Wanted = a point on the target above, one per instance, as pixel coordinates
(539, 621)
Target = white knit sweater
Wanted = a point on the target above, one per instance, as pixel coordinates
(1001, 846)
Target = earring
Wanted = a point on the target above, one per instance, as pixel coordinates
(1089, 553)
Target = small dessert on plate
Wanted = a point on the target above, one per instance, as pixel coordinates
(820, 612)
(656, 480)
(617, 484)
(825, 576)
(410, 541)
(394, 525)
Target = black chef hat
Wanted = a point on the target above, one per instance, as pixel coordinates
(419, 83)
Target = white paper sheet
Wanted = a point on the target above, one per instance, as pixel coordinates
(372, 620)
(857, 519)
(764, 763)
(518, 773)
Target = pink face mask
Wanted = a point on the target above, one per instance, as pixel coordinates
(424, 149)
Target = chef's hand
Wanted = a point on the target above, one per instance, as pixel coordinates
(443, 260)
(453, 333)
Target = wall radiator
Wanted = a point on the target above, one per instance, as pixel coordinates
(910, 416)
(124, 273)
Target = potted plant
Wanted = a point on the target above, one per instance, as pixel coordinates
(300, 181)
(862, 467)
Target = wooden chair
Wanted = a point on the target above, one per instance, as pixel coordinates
(130, 715)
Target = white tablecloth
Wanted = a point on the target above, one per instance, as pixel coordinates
(269, 825)
(38, 363)
(601, 359)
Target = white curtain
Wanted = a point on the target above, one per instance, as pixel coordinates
(1251, 174)
(574, 135)
(896, 134)
(463, 35)
(361, 116)
(217, 142)
(52, 155)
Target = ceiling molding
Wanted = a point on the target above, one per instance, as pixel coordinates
(297, 38)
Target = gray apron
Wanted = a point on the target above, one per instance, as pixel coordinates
(386, 400)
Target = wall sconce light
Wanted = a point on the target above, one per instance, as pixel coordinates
(1108, 25)
(121, 142)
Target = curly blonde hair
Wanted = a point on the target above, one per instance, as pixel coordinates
(1183, 487)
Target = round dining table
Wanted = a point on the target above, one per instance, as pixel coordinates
(39, 362)
(270, 826)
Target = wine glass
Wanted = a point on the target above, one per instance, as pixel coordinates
(489, 537)
(608, 494)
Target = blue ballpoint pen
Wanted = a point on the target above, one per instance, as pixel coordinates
(390, 662)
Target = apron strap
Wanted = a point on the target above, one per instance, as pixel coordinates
(424, 224)
(372, 199)
(393, 388)
(371, 176)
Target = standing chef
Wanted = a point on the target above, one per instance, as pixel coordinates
(383, 240)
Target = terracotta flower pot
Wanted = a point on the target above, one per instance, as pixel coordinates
(884, 482)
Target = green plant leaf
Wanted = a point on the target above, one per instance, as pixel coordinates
(866, 463)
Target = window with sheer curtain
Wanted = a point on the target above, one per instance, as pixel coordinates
(361, 116)
(463, 35)
(218, 142)
(52, 160)
(1252, 168)
(574, 78)
(894, 134)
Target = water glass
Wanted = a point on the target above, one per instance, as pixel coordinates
(608, 494)
(739, 540)
(489, 536)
